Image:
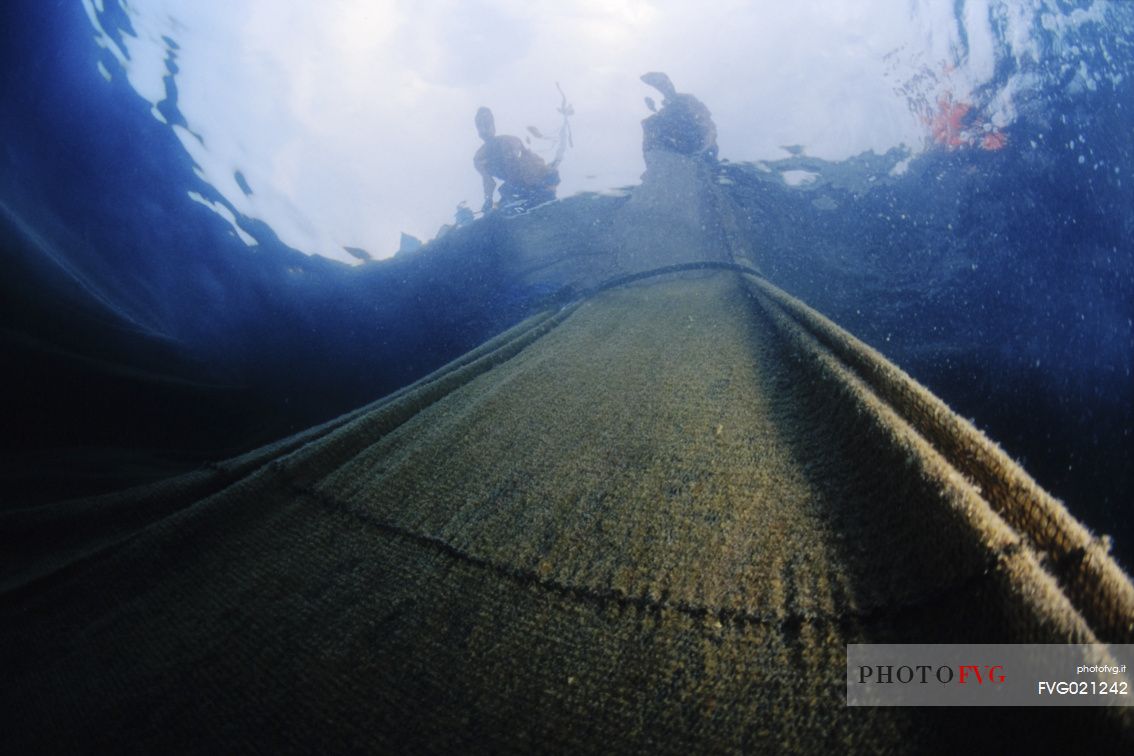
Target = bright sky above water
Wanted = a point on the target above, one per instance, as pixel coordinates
(352, 120)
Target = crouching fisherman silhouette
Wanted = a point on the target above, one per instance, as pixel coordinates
(683, 125)
(527, 180)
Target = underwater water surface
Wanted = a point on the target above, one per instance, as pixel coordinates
(179, 288)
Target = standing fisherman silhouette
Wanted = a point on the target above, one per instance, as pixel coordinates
(527, 180)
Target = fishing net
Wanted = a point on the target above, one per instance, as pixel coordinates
(650, 520)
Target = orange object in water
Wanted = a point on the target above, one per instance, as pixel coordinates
(993, 140)
(947, 124)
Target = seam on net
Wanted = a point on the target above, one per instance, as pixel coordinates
(606, 597)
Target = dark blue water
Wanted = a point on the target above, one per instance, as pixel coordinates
(1001, 278)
